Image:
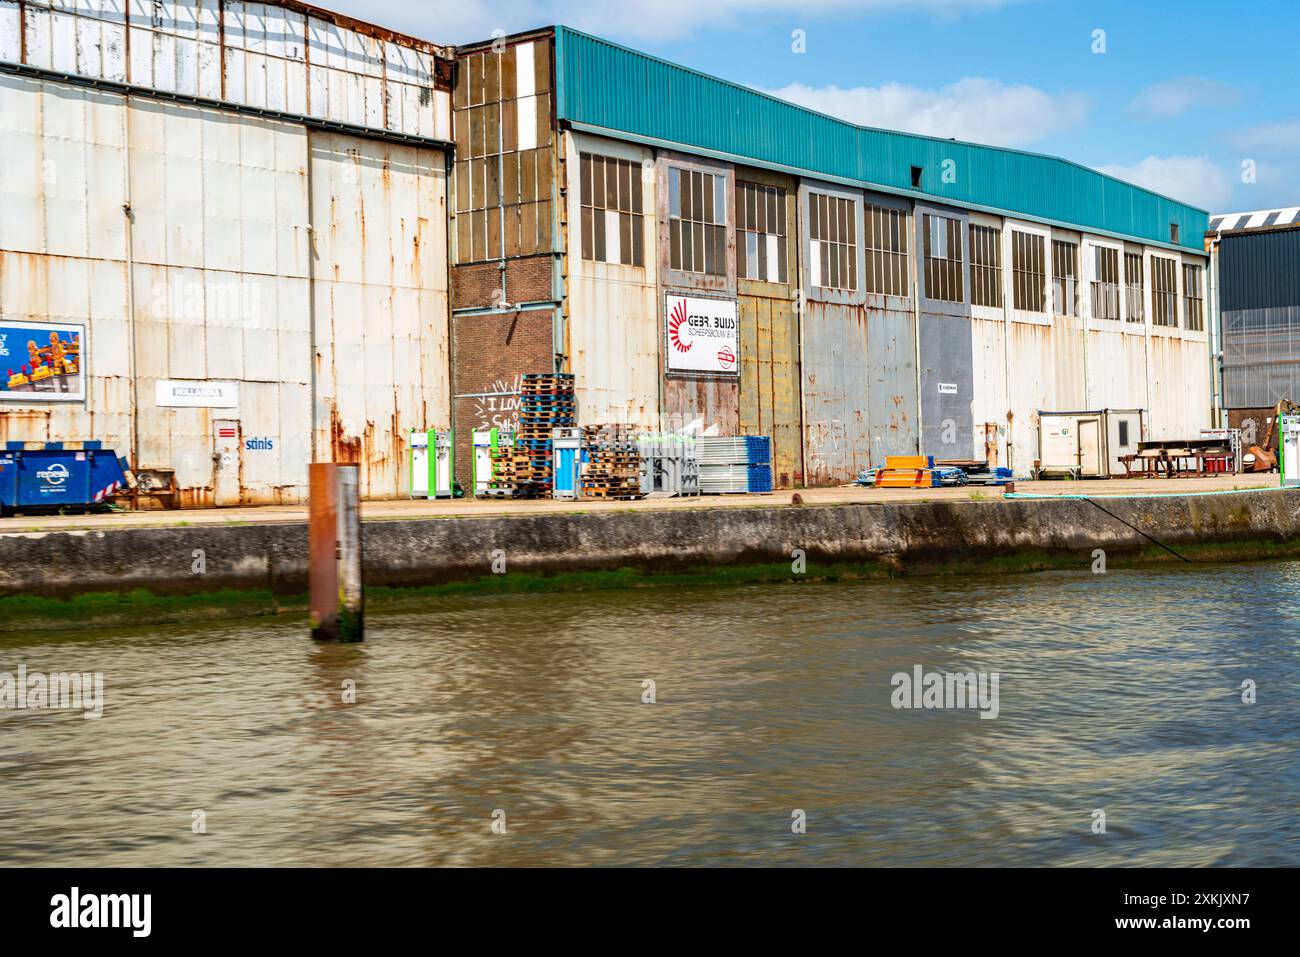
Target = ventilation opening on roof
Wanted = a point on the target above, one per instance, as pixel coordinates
(916, 177)
(1173, 232)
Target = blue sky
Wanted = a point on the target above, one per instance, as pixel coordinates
(1183, 94)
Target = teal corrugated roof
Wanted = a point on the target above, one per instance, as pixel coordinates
(607, 86)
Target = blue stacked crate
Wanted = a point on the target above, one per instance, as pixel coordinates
(759, 451)
(546, 403)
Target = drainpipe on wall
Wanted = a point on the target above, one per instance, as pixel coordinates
(801, 309)
(916, 349)
(133, 348)
(311, 305)
(1217, 415)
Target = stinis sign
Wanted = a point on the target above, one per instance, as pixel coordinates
(703, 335)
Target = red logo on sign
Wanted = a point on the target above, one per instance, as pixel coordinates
(675, 319)
(726, 358)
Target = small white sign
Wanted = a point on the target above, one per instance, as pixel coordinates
(703, 335)
(947, 388)
(197, 394)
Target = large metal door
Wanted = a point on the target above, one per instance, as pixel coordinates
(227, 462)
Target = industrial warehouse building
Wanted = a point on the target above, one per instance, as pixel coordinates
(700, 256)
(239, 212)
(1256, 257)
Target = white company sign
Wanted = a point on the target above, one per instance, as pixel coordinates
(703, 335)
(197, 394)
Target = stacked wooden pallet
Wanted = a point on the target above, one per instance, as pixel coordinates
(546, 402)
(517, 473)
(612, 469)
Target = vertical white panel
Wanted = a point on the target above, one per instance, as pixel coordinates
(235, 74)
(63, 35)
(164, 64)
(527, 112)
(187, 66)
(10, 34)
(525, 70)
(140, 70)
(209, 66)
(40, 40)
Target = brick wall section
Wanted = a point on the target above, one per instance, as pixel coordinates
(478, 286)
(491, 352)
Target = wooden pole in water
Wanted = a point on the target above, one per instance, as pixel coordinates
(334, 553)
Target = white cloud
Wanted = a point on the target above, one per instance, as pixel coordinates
(1191, 179)
(465, 21)
(974, 108)
(1177, 95)
(1270, 139)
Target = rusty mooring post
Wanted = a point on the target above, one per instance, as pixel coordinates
(334, 553)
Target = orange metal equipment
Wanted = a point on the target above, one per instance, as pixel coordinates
(906, 471)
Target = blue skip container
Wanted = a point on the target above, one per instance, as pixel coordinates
(55, 475)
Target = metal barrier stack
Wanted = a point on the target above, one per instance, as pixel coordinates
(732, 464)
(612, 462)
(668, 464)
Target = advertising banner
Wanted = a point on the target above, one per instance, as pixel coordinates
(41, 361)
(703, 335)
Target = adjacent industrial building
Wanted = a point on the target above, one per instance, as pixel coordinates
(1256, 259)
(237, 212)
(271, 234)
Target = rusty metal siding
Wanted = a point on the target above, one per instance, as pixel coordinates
(290, 58)
(946, 376)
(837, 430)
(208, 278)
(613, 321)
(380, 302)
(769, 347)
(700, 403)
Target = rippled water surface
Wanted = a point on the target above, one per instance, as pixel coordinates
(1118, 692)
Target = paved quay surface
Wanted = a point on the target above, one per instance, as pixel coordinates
(482, 508)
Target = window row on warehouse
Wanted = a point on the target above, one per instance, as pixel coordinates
(860, 244)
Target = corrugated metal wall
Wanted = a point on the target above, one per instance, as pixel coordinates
(947, 343)
(614, 328)
(216, 252)
(769, 342)
(1259, 276)
(264, 55)
(382, 353)
(612, 87)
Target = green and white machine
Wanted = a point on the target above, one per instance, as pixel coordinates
(1289, 445)
(485, 442)
(432, 463)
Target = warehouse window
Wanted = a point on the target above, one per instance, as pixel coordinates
(1065, 277)
(1193, 298)
(612, 219)
(886, 243)
(1135, 300)
(1028, 272)
(1105, 283)
(1164, 292)
(833, 250)
(760, 232)
(697, 217)
(986, 266)
(943, 259)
